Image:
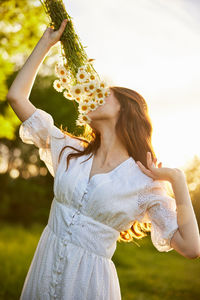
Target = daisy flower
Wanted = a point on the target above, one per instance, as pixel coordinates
(102, 84)
(83, 107)
(78, 99)
(100, 95)
(107, 92)
(101, 101)
(88, 88)
(85, 89)
(68, 95)
(102, 91)
(93, 105)
(79, 123)
(77, 90)
(91, 96)
(91, 87)
(61, 70)
(86, 100)
(64, 81)
(83, 119)
(57, 85)
(81, 76)
(92, 77)
(99, 90)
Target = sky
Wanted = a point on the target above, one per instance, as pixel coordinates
(152, 47)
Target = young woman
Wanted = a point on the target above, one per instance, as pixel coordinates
(100, 191)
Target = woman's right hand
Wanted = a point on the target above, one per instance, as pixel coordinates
(51, 37)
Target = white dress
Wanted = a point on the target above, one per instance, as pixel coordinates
(73, 258)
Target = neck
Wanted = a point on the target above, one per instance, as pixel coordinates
(111, 148)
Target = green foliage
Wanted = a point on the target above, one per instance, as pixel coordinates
(6, 69)
(20, 29)
(15, 208)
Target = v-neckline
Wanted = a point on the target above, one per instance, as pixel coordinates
(106, 173)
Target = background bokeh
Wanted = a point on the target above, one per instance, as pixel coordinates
(151, 46)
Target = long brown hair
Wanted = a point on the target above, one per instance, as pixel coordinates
(134, 129)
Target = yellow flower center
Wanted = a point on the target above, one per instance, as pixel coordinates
(92, 105)
(102, 85)
(92, 77)
(84, 118)
(84, 107)
(82, 76)
(64, 80)
(91, 86)
(100, 95)
(77, 91)
(62, 72)
(98, 90)
(58, 85)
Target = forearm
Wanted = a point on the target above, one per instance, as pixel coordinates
(22, 85)
(186, 219)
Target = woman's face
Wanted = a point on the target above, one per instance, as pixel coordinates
(109, 110)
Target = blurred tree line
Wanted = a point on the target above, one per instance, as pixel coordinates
(26, 185)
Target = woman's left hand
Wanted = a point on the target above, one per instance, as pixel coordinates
(157, 173)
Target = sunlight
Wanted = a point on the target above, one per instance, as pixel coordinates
(151, 46)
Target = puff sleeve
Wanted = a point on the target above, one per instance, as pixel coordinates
(158, 208)
(39, 129)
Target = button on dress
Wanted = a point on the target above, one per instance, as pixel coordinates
(73, 258)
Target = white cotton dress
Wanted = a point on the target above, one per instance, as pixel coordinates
(73, 258)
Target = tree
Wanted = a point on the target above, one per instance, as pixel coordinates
(21, 27)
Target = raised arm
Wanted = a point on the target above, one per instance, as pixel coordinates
(18, 94)
(186, 239)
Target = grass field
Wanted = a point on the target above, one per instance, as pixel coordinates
(144, 273)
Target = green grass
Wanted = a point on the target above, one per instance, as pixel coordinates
(144, 273)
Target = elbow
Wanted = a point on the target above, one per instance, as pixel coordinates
(193, 254)
(10, 97)
(189, 249)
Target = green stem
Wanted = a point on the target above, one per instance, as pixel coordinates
(72, 49)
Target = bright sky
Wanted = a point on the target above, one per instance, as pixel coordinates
(151, 46)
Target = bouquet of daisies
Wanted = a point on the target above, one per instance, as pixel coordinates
(87, 91)
(77, 78)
